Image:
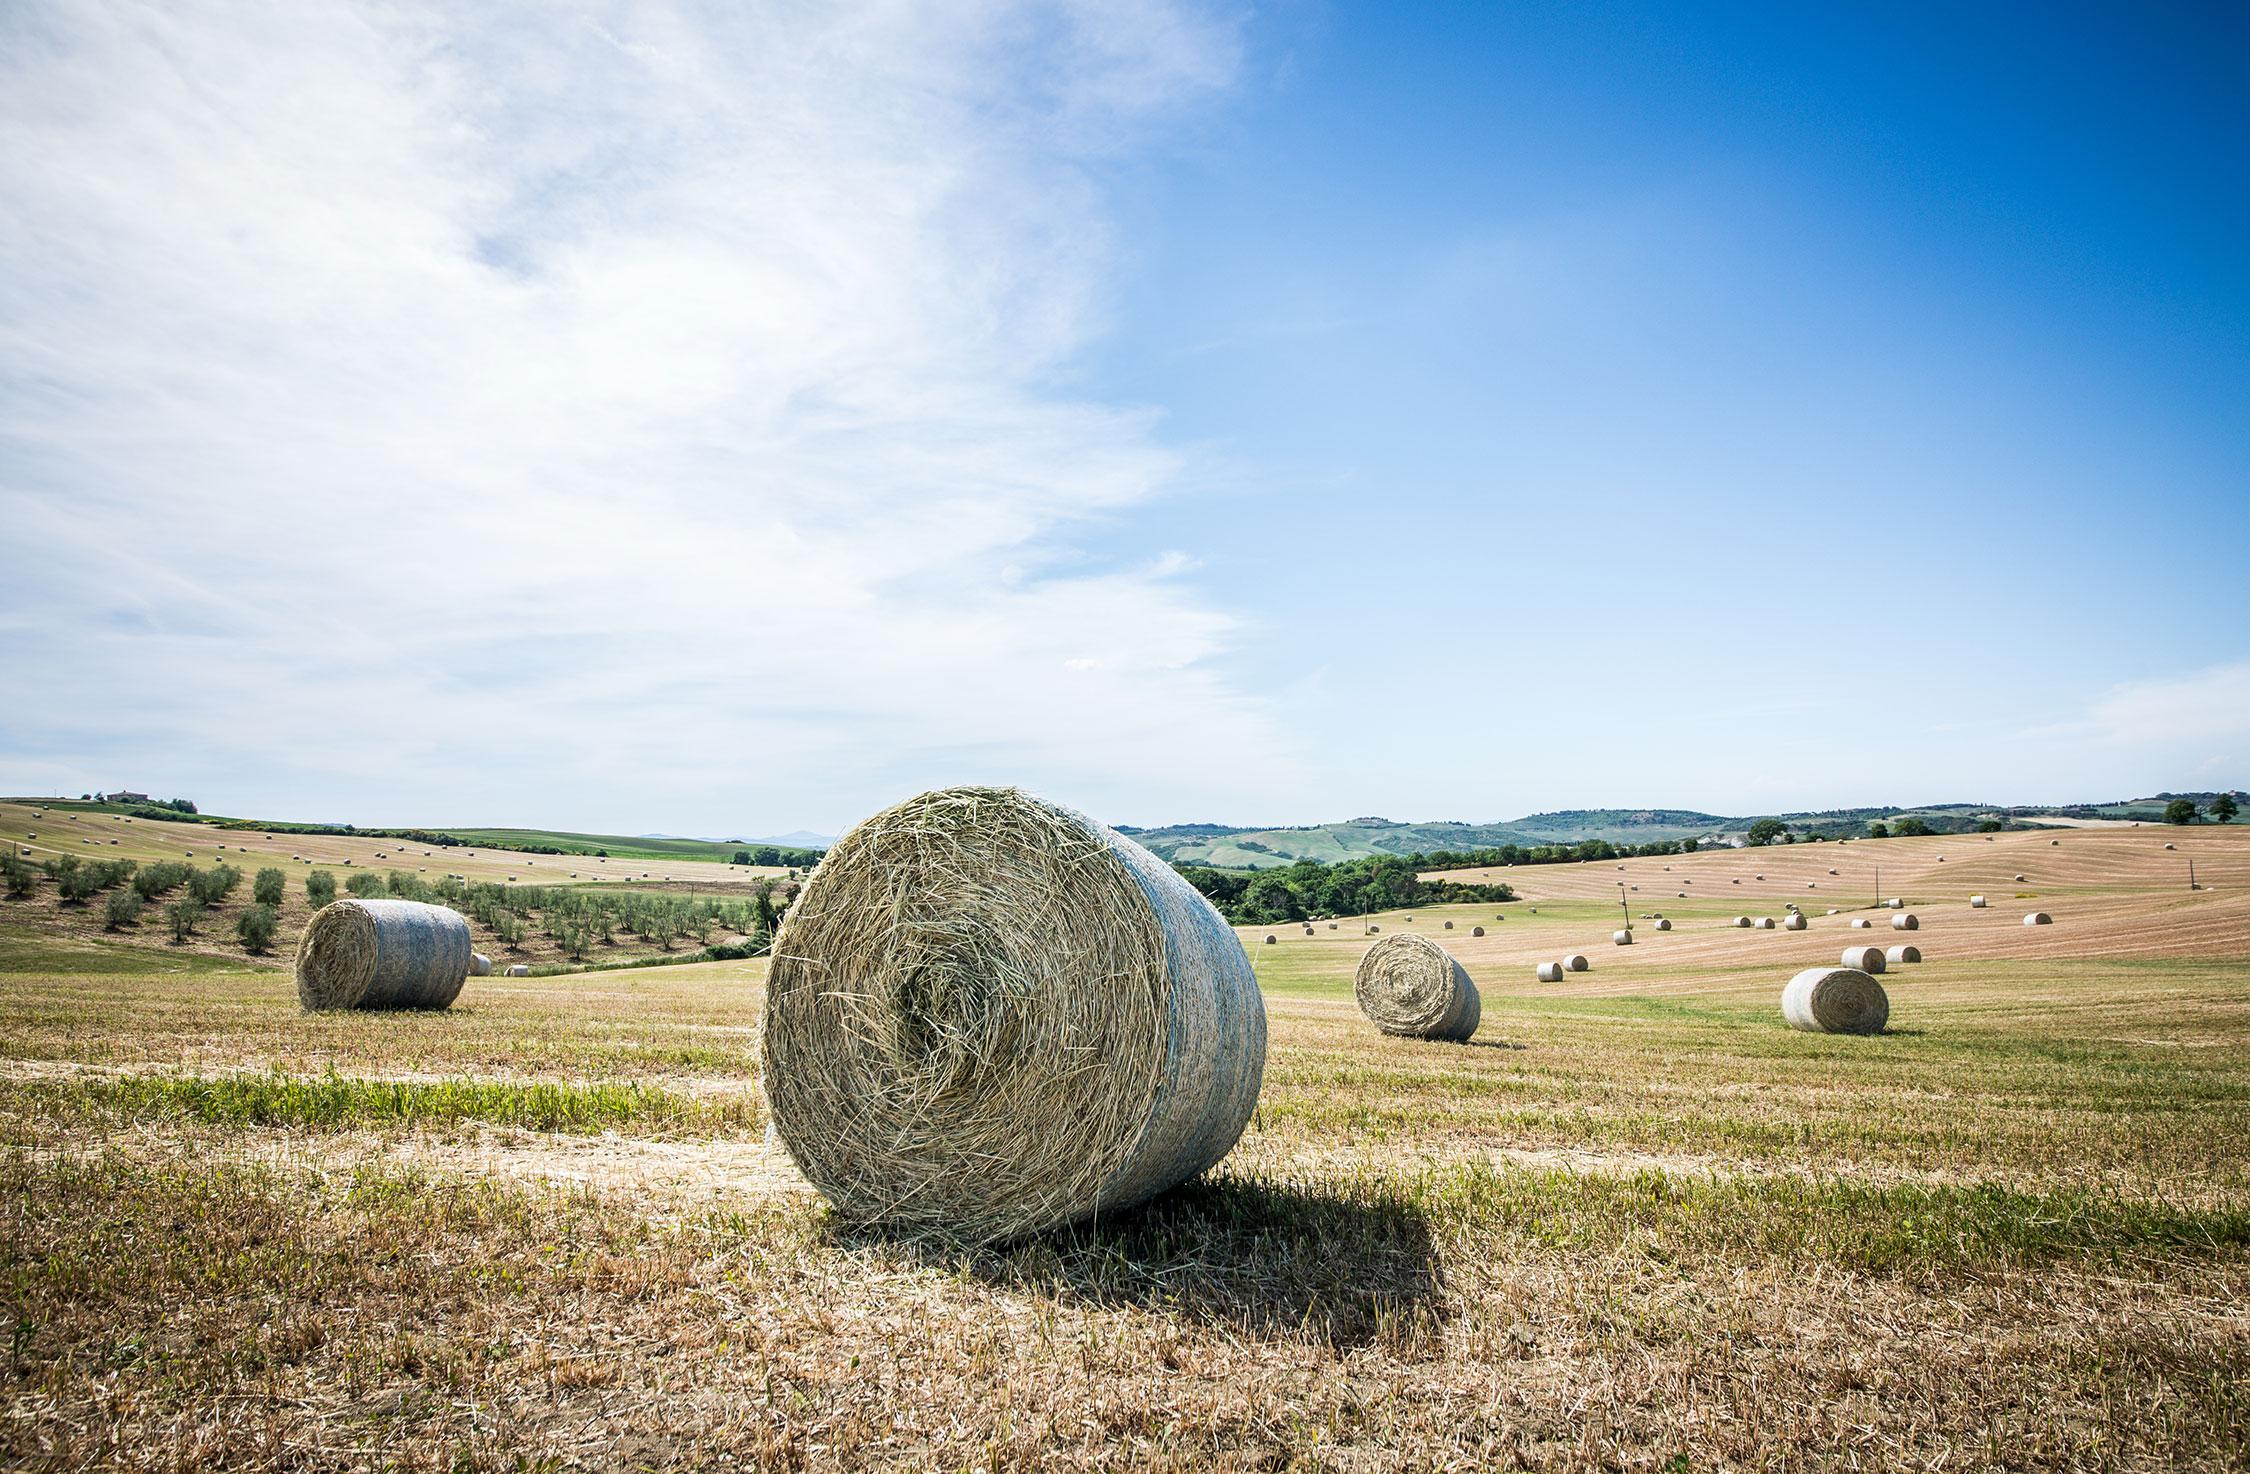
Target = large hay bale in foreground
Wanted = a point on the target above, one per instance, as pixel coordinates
(1866, 959)
(383, 954)
(1550, 972)
(988, 1016)
(1410, 986)
(1906, 921)
(1835, 1000)
(1902, 953)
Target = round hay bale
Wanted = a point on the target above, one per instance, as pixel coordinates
(1903, 953)
(518, 970)
(1271, 939)
(1906, 921)
(1550, 972)
(1500, 916)
(1332, 926)
(1976, 903)
(1896, 903)
(1372, 928)
(1409, 916)
(480, 966)
(1765, 923)
(1449, 926)
(1866, 959)
(1308, 929)
(1861, 923)
(1663, 923)
(1831, 911)
(1576, 962)
(2055, 842)
(382, 954)
(1622, 938)
(1794, 921)
(1835, 1000)
(2038, 918)
(1476, 931)
(1742, 921)
(988, 1016)
(2170, 846)
(1410, 986)
(2019, 880)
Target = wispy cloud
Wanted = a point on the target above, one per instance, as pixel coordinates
(597, 412)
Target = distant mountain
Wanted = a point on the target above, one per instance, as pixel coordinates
(1248, 848)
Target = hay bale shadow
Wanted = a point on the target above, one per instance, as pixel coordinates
(1342, 1267)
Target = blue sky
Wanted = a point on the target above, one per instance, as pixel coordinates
(714, 419)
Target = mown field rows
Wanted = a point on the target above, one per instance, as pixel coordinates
(1636, 1223)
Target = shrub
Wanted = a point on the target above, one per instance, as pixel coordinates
(213, 885)
(2180, 811)
(365, 885)
(123, 909)
(155, 880)
(1910, 827)
(22, 879)
(320, 888)
(1990, 826)
(256, 926)
(267, 886)
(184, 914)
(1878, 830)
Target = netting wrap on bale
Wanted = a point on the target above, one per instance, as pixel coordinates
(382, 954)
(1866, 959)
(988, 1016)
(1835, 1000)
(1411, 986)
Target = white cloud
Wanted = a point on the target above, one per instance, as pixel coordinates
(598, 413)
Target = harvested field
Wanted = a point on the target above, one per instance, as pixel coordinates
(1636, 1222)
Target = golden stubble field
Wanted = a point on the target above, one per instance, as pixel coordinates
(1636, 1223)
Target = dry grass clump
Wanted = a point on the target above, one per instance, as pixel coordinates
(988, 1016)
(382, 954)
(1835, 1000)
(1410, 986)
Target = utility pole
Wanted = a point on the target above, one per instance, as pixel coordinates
(2191, 875)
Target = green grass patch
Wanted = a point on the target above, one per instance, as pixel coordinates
(336, 1102)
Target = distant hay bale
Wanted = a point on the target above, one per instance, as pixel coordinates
(2170, 846)
(2056, 842)
(1332, 926)
(480, 966)
(1794, 921)
(1409, 916)
(1372, 928)
(1866, 959)
(1861, 923)
(1550, 972)
(2038, 918)
(1576, 962)
(1476, 931)
(1906, 921)
(1741, 921)
(1831, 911)
(1896, 903)
(1976, 903)
(1765, 923)
(1410, 986)
(989, 1016)
(1271, 939)
(1831, 872)
(1622, 938)
(518, 970)
(382, 954)
(1836, 1000)
(1449, 926)
(1663, 924)
(2019, 880)
(1904, 952)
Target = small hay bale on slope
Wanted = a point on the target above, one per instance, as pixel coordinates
(1976, 903)
(1741, 921)
(382, 954)
(1866, 959)
(1410, 986)
(1476, 931)
(1765, 923)
(1663, 924)
(1835, 1000)
(1622, 938)
(2038, 918)
(1794, 921)
(1576, 962)
(988, 1016)
(519, 970)
(1904, 952)
(1550, 972)
(1906, 921)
